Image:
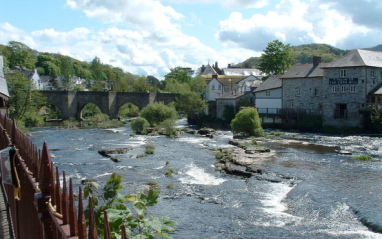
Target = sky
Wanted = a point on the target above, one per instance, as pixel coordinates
(150, 37)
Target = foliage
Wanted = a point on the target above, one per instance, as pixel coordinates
(177, 74)
(251, 62)
(169, 172)
(190, 103)
(156, 113)
(90, 110)
(128, 110)
(150, 147)
(24, 101)
(229, 113)
(363, 157)
(140, 125)
(276, 59)
(197, 84)
(169, 128)
(304, 53)
(138, 224)
(19, 54)
(376, 119)
(247, 121)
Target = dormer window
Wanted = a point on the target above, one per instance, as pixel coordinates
(219, 87)
(343, 73)
(213, 86)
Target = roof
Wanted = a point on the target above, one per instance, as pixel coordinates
(3, 81)
(209, 71)
(377, 90)
(230, 96)
(304, 71)
(241, 71)
(358, 57)
(272, 82)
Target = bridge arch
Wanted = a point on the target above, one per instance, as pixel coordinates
(71, 102)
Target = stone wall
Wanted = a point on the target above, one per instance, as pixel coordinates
(302, 93)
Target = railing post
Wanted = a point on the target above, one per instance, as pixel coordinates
(43, 197)
(124, 234)
(81, 217)
(92, 224)
(106, 226)
(72, 211)
(65, 201)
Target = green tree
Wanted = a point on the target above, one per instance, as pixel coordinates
(247, 121)
(276, 59)
(141, 85)
(156, 113)
(67, 72)
(190, 103)
(177, 74)
(140, 125)
(197, 84)
(98, 73)
(25, 102)
(20, 55)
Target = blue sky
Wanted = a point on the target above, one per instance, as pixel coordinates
(149, 37)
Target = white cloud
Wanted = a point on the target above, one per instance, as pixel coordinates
(53, 36)
(9, 33)
(292, 21)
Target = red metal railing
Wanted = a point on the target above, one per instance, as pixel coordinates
(44, 209)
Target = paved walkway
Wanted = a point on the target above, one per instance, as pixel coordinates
(4, 222)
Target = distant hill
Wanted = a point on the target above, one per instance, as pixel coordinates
(304, 54)
(376, 48)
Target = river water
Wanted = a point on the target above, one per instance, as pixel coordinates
(306, 190)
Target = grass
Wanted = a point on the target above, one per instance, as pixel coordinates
(169, 172)
(362, 157)
(150, 147)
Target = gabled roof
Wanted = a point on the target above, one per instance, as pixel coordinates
(230, 96)
(209, 71)
(377, 90)
(273, 82)
(358, 57)
(3, 82)
(304, 71)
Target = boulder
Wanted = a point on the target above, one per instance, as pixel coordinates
(206, 131)
(255, 150)
(108, 152)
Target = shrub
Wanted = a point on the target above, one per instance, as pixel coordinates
(156, 113)
(169, 128)
(150, 147)
(33, 119)
(363, 157)
(247, 121)
(140, 125)
(169, 172)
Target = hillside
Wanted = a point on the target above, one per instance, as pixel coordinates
(304, 54)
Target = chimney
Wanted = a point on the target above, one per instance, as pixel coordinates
(216, 64)
(229, 65)
(316, 60)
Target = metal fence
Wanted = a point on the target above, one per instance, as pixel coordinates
(44, 208)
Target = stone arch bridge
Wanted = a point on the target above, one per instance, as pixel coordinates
(71, 103)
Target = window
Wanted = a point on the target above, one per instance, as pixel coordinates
(316, 92)
(297, 91)
(372, 73)
(291, 104)
(267, 93)
(340, 111)
(343, 73)
(352, 88)
(219, 87)
(213, 87)
(334, 89)
(343, 88)
(380, 73)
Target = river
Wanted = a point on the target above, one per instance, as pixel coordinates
(306, 190)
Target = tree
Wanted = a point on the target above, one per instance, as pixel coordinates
(190, 103)
(177, 74)
(156, 113)
(20, 55)
(25, 102)
(247, 121)
(67, 72)
(276, 59)
(197, 84)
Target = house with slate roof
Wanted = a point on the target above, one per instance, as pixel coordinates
(269, 98)
(4, 93)
(350, 85)
(302, 87)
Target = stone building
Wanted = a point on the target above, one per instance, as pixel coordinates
(350, 85)
(4, 94)
(302, 87)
